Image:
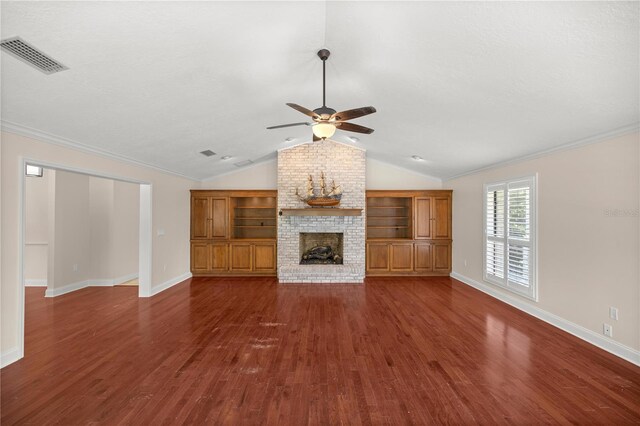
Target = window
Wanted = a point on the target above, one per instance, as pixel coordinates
(509, 234)
(32, 171)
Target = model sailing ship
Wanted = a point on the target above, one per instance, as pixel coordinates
(324, 199)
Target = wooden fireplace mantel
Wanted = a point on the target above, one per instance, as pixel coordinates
(321, 211)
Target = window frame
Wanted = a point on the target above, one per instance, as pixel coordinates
(530, 181)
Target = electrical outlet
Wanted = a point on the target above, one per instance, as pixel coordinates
(613, 313)
(607, 330)
(75, 267)
(465, 262)
(164, 267)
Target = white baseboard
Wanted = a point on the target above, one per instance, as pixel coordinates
(9, 357)
(170, 283)
(53, 292)
(97, 282)
(124, 278)
(35, 282)
(93, 282)
(618, 349)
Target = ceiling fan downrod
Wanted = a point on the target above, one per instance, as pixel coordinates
(324, 55)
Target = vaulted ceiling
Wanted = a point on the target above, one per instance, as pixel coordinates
(462, 84)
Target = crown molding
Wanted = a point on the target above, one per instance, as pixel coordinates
(600, 137)
(41, 136)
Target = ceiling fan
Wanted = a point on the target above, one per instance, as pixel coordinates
(325, 119)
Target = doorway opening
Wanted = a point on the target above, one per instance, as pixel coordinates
(144, 259)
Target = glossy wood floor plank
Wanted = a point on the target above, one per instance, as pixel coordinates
(249, 351)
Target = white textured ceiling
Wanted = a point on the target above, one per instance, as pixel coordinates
(462, 84)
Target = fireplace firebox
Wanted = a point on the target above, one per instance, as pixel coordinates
(321, 248)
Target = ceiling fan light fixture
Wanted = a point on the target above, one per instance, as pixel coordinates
(323, 130)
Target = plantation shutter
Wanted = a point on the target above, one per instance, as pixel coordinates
(519, 237)
(508, 235)
(494, 231)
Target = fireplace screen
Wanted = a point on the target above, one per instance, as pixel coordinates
(321, 248)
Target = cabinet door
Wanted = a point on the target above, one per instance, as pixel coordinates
(401, 257)
(441, 257)
(241, 257)
(200, 215)
(378, 257)
(441, 218)
(199, 257)
(219, 215)
(219, 257)
(423, 258)
(423, 217)
(264, 257)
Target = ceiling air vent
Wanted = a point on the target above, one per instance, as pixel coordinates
(208, 153)
(32, 56)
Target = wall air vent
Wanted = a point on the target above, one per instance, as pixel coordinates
(243, 163)
(208, 153)
(20, 49)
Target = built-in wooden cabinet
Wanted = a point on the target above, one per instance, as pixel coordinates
(209, 257)
(264, 257)
(408, 232)
(401, 257)
(209, 218)
(423, 261)
(233, 232)
(377, 257)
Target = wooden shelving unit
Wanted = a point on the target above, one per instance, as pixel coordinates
(389, 217)
(253, 218)
(408, 232)
(233, 232)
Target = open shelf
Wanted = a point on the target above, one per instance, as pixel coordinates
(253, 217)
(389, 217)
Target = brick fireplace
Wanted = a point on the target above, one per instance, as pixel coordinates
(346, 165)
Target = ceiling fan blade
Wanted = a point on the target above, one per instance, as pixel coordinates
(304, 110)
(350, 127)
(353, 113)
(289, 125)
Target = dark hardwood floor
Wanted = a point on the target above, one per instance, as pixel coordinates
(249, 351)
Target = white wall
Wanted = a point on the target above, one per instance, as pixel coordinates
(115, 215)
(379, 175)
(72, 246)
(258, 176)
(125, 224)
(588, 258)
(101, 230)
(170, 212)
(36, 228)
